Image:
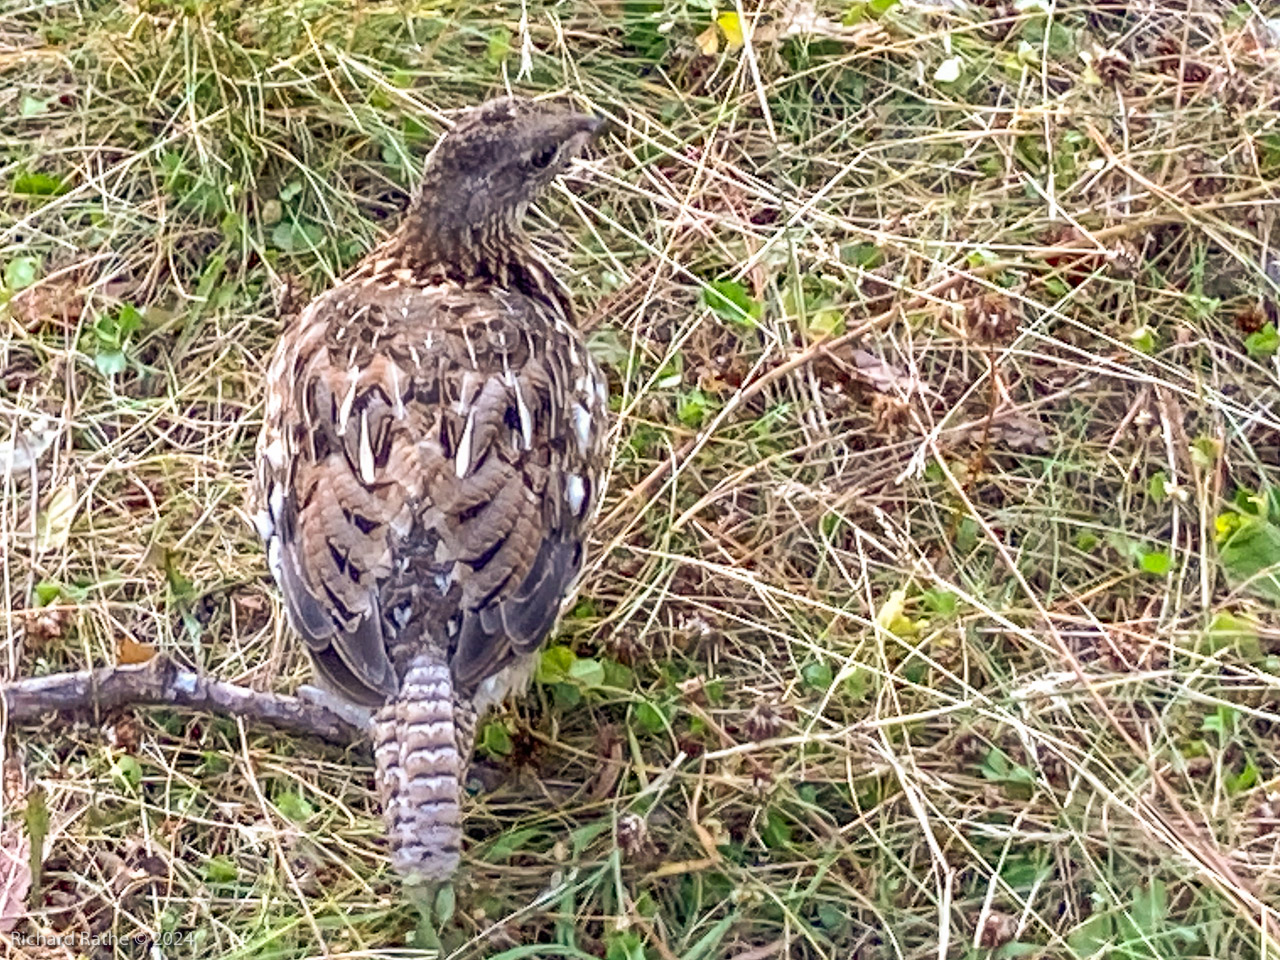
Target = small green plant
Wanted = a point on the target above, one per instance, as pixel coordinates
(730, 301)
(20, 273)
(1017, 780)
(111, 337)
(295, 806)
(1263, 344)
(1248, 539)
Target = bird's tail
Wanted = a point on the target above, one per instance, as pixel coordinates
(421, 743)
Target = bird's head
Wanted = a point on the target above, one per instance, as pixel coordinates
(482, 174)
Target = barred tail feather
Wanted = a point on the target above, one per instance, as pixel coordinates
(420, 761)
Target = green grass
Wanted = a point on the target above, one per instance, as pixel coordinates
(956, 638)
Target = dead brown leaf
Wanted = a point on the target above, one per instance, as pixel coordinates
(15, 876)
(133, 651)
(1019, 432)
(53, 524)
(55, 299)
(861, 368)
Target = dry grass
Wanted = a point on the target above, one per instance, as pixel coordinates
(925, 641)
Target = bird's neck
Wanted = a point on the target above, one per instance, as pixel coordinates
(428, 241)
(437, 248)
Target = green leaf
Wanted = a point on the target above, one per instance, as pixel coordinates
(508, 844)
(818, 675)
(825, 323)
(691, 408)
(831, 916)
(1056, 286)
(776, 831)
(554, 664)
(111, 333)
(1222, 722)
(1143, 339)
(1158, 487)
(566, 696)
(730, 301)
(609, 348)
(293, 236)
(589, 673)
(1227, 631)
(29, 106)
(210, 277)
(858, 684)
(1062, 41)
(38, 185)
(649, 717)
(110, 362)
(1249, 552)
(220, 869)
(1203, 307)
(294, 806)
(1012, 951)
(213, 763)
(36, 820)
(1245, 780)
(1150, 908)
(864, 254)
(499, 45)
(495, 739)
(583, 836)
(941, 602)
(618, 675)
(20, 272)
(709, 941)
(127, 771)
(1205, 451)
(625, 945)
(1092, 937)
(1263, 343)
(1156, 562)
(998, 767)
(446, 904)
(128, 320)
(966, 535)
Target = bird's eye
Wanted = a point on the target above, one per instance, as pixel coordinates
(542, 159)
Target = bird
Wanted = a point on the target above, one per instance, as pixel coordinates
(432, 455)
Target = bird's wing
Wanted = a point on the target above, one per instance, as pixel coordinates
(429, 461)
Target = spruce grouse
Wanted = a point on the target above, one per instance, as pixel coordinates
(432, 454)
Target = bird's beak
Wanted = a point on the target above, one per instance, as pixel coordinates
(594, 124)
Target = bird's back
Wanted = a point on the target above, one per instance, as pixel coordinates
(429, 461)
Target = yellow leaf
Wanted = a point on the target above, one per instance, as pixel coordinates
(708, 41)
(53, 525)
(891, 612)
(131, 651)
(732, 27)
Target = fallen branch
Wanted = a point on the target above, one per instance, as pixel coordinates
(161, 682)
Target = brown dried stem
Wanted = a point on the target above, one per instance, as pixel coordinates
(161, 682)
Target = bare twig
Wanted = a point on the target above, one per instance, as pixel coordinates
(161, 682)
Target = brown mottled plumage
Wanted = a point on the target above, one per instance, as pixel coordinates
(431, 457)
